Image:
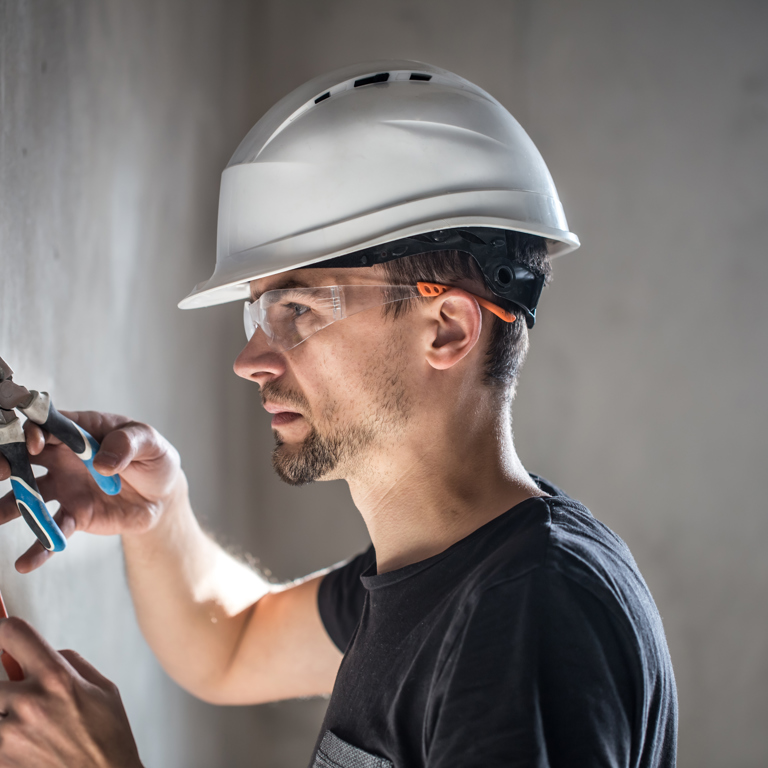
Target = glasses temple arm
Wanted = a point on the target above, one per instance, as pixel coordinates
(430, 290)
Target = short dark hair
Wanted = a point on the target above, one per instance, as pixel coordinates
(508, 345)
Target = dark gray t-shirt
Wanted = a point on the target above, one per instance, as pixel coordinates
(534, 641)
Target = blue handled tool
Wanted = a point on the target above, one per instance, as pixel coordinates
(37, 407)
(28, 498)
(40, 410)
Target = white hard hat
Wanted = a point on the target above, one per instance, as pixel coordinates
(371, 154)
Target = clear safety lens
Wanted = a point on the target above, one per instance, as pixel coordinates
(290, 316)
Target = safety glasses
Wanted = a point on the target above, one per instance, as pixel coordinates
(291, 315)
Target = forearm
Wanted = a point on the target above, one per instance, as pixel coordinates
(192, 599)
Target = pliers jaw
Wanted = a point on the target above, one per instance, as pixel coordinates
(13, 447)
(6, 372)
(12, 395)
(38, 408)
(7, 418)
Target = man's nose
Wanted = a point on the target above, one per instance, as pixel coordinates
(258, 362)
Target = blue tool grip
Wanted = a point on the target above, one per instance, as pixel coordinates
(28, 499)
(74, 437)
(110, 485)
(33, 510)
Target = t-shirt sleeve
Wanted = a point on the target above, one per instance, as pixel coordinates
(341, 596)
(538, 676)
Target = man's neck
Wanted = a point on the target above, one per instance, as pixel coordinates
(438, 486)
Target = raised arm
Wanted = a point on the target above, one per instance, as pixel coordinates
(218, 628)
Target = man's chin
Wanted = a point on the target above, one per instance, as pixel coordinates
(307, 461)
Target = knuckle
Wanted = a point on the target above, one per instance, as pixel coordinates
(27, 707)
(67, 522)
(58, 680)
(145, 433)
(111, 689)
(147, 440)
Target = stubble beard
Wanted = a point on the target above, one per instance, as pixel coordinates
(343, 449)
(318, 456)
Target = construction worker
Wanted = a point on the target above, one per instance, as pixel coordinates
(390, 228)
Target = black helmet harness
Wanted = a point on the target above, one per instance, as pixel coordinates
(491, 248)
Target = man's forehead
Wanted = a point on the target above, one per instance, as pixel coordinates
(313, 277)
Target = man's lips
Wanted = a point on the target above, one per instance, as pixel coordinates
(281, 416)
(272, 408)
(286, 417)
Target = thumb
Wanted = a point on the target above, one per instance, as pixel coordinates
(123, 445)
(86, 670)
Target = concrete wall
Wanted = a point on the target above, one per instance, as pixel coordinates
(116, 119)
(644, 392)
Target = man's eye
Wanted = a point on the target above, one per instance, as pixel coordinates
(297, 310)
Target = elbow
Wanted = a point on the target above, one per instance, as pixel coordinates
(214, 679)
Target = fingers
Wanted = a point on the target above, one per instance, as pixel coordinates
(86, 670)
(33, 654)
(65, 714)
(9, 690)
(39, 658)
(37, 554)
(133, 442)
(122, 446)
(37, 438)
(122, 442)
(8, 509)
(118, 449)
(97, 423)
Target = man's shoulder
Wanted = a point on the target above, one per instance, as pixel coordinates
(557, 539)
(550, 561)
(551, 532)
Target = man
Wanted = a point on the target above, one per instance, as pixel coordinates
(390, 226)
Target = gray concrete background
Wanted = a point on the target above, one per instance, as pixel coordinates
(644, 395)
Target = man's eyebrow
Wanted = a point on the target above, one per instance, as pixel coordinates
(290, 282)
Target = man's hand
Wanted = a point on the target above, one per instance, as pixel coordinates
(147, 463)
(64, 714)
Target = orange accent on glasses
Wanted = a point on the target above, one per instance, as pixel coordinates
(435, 289)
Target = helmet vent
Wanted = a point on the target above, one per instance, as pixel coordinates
(326, 95)
(382, 78)
(419, 76)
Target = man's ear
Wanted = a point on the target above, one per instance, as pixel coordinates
(457, 329)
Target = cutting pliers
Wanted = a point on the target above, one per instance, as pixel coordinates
(37, 407)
